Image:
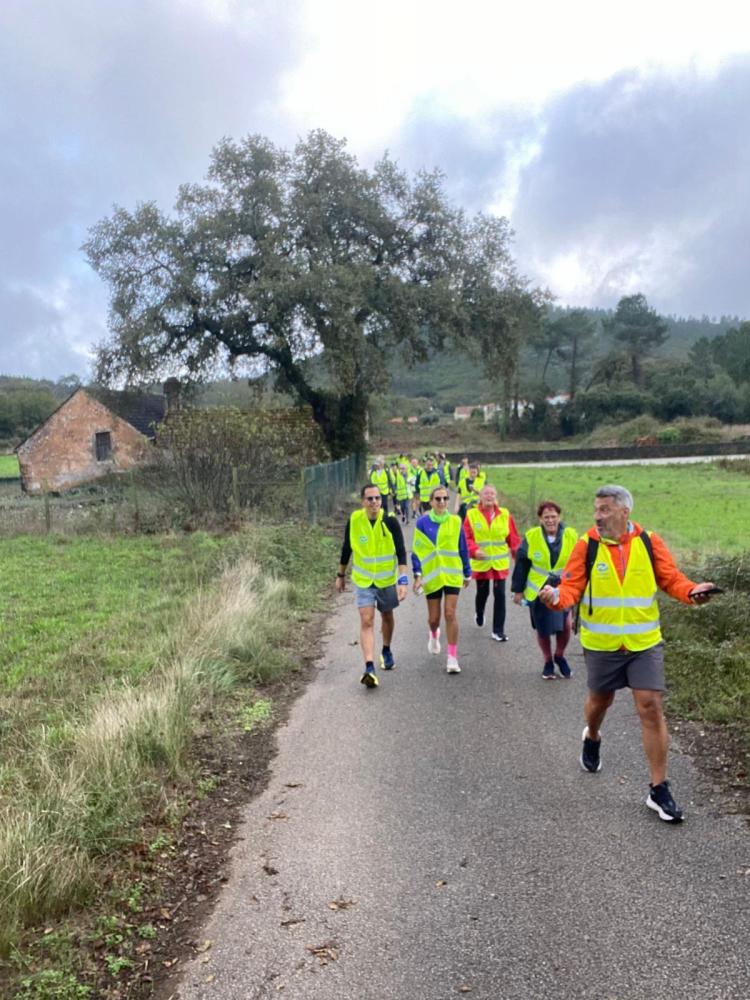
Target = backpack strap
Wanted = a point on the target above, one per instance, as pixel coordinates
(591, 550)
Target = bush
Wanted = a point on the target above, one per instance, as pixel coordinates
(223, 457)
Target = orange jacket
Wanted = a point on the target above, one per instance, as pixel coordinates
(668, 577)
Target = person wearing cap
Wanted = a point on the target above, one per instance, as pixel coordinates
(380, 477)
(615, 570)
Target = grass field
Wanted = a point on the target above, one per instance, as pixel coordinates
(697, 508)
(111, 650)
(8, 467)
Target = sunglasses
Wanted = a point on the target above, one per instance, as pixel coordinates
(373, 499)
(441, 499)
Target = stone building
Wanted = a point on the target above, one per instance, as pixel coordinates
(85, 439)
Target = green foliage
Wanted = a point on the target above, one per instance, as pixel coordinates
(638, 330)
(282, 256)
(224, 457)
(709, 647)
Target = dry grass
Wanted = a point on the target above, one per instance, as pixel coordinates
(78, 797)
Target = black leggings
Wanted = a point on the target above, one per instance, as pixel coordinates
(498, 605)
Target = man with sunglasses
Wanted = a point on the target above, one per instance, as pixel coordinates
(374, 542)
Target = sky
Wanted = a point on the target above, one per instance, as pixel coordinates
(614, 137)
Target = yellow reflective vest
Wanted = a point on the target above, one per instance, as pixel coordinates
(620, 613)
(538, 554)
(441, 563)
(379, 478)
(492, 538)
(470, 494)
(427, 483)
(373, 551)
(401, 487)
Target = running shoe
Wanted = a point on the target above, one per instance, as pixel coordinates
(548, 671)
(369, 678)
(590, 753)
(433, 643)
(386, 660)
(452, 666)
(499, 636)
(564, 667)
(661, 801)
(479, 619)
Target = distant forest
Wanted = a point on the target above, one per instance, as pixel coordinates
(690, 367)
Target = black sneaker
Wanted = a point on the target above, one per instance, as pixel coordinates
(590, 753)
(479, 619)
(548, 671)
(661, 801)
(564, 667)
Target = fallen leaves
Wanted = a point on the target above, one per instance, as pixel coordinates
(278, 814)
(325, 953)
(341, 904)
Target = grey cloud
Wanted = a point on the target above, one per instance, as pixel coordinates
(112, 103)
(641, 159)
(629, 171)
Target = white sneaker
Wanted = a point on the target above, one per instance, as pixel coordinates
(433, 643)
(453, 667)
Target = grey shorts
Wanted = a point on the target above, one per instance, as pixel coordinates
(382, 598)
(610, 671)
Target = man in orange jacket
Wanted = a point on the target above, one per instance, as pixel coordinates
(615, 577)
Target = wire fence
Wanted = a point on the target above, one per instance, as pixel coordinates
(323, 485)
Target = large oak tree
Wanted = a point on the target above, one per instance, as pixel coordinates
(281, 257)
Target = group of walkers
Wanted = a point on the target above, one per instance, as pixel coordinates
(408, 482)
(612, 573)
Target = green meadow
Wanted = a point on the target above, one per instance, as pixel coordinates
(696, 508)
(8, 467)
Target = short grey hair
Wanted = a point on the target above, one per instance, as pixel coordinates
(621, 496)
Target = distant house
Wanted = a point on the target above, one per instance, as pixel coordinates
(488, 410)
(85, 439)
(559, 400)
(463, 412)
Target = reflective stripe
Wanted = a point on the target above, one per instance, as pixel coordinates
(541, 569)
(621, 602)
(430, 576)
(428, 558)
(531, 586)
(384, 575)
(376, 559)
(636, 628)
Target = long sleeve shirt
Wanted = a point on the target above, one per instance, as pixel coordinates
(428, 527)
(523, 563)
(391, 523)
(668, 576)
(512, 539)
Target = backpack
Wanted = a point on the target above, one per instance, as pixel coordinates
(591, 550)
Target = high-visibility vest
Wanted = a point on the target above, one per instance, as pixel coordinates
(463, 473)
(427, 483)
(441, 562)
(401, 486)
(373, 551)
(492, 538)
(468, 496)
(538, 553)
(379, 478)
(621, 613)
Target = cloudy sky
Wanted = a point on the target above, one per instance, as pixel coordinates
(614, 137)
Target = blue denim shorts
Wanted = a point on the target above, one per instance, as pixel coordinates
(382, 598)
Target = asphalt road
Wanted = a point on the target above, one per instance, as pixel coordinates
(436, 838)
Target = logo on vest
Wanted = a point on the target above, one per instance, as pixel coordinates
(363, 539)
(537, 555)
(601, 567)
